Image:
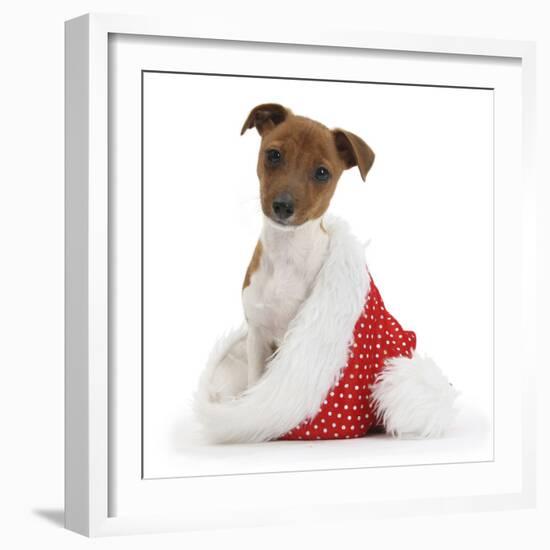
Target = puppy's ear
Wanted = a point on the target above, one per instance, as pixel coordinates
(353, 151)
(265, 117)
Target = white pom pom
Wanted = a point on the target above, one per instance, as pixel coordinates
(413, 398)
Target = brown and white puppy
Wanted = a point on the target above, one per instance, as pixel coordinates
(299, 164)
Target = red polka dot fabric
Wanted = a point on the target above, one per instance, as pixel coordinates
(347, 411)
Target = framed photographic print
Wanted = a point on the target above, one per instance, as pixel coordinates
(167, 194)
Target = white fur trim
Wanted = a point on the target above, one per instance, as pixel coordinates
(308, 362)
(414, 398)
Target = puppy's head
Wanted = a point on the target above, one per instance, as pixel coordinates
(300, 163)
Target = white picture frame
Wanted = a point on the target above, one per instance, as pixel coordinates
(89, 463)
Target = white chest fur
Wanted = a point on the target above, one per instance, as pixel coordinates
(290, 261)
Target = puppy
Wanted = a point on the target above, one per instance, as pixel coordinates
(299, 164)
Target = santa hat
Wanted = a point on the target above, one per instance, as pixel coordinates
(344, 366)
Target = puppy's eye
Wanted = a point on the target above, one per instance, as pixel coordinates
(322, 174)
(273, 157)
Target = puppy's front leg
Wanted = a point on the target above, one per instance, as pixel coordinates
(258, 351)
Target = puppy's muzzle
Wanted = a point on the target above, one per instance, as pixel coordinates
(283, 206)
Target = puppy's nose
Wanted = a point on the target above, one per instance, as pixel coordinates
(283, 206)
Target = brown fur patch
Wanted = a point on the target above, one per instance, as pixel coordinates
(254, 264)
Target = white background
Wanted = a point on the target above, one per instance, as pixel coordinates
(427, 208)
(31, 290)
